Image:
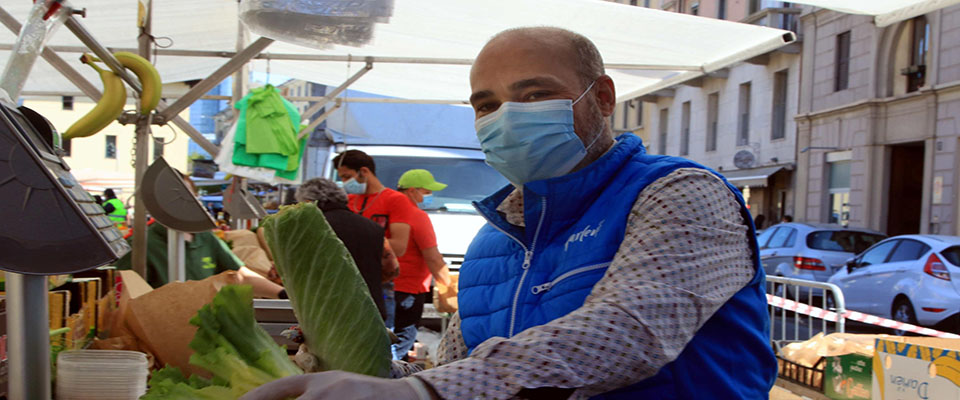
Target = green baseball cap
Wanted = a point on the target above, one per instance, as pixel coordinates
(420, 178)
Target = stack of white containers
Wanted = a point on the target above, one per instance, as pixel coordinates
(101, 374)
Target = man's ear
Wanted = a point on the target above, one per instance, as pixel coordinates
(606, 95)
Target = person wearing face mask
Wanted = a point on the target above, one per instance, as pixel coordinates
(420, 262)
(603, 272)
(387, 207)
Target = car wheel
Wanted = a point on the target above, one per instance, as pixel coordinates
(903, 312)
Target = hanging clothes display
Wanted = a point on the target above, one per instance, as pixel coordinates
(263, 144)
(266, 133)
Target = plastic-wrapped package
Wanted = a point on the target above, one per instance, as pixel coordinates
(45, 17)
(316, 23)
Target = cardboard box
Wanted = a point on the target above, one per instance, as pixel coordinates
(916, 368)
(848, 377)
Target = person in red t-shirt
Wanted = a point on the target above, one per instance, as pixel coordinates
(385, 206)
(421, 260)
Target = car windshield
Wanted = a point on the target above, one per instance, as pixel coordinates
(467, 180)
(845, 241)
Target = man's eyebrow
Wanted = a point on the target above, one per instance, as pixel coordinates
(477, 96)
(536, 81)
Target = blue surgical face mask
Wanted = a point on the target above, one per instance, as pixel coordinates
(351, 186)
(427, 201)
(528, 142)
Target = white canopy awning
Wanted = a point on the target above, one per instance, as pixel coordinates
(885, 12)
(645, 49)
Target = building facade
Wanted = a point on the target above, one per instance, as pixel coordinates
(877, 130)
(738, 121)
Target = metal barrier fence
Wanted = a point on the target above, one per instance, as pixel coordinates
(815, 294)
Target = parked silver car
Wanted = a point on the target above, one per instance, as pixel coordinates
(811, 251)
(909, 278)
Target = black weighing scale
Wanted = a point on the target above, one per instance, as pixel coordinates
(49, 225)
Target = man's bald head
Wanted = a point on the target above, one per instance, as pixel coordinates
(582, 54)
(526, 65)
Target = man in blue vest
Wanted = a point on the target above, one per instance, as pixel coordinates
(603, 271)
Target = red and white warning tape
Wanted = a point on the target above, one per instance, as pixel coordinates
(831, 316)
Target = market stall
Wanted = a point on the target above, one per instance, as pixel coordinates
(420, 52)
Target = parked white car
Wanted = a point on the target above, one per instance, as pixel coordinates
(909, 278)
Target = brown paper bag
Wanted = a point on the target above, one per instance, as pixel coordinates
(160, 319)
(240, 238)
(254, 258)
(129, 286)
(445, 297)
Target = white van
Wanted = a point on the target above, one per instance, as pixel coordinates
(469, 179)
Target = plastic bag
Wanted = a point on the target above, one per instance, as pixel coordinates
(33, 36)
(316, 23)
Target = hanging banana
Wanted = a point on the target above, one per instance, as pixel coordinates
(107, 109)
(147, 75)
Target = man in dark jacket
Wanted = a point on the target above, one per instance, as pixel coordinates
(362, 237)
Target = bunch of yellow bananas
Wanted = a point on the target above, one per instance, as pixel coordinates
(110, 106)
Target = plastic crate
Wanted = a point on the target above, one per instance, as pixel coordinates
(811, 378)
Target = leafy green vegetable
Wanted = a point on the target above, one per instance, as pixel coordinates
(339, 320)
(170, 384)
(229, 344)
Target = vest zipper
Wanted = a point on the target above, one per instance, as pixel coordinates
(527, 260)
(547, 286)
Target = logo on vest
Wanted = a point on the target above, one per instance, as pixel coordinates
(585, 233)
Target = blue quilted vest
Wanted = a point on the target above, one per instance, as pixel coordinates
(513, 279)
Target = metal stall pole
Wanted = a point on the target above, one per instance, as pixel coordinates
(176, 256)
(142, 151)
(28, 337)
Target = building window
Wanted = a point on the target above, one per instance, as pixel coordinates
(662, 140)
(722, 9)
(633, 2)
(839, 192)
(639, 113)
(695, 9)
(713, 112)
(743, 123)
(626, 114)
(685, 129)
(67, 146)
(779, 105)
(646, 3)
(67, 102)
(841, 76)
(158, 148)
(111, 148)
(919, 48)
(753, 7)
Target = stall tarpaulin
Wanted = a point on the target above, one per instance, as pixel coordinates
(643, 48)
(885, 12)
